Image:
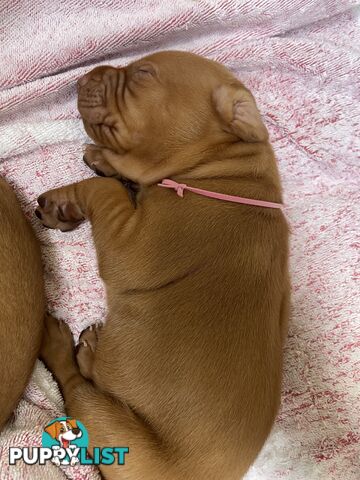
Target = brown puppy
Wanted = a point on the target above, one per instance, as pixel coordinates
(187, 369)
(22, 301)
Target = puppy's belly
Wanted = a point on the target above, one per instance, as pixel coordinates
(186, 365)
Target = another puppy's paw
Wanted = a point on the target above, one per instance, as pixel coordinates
(55, 210)
(95, 158)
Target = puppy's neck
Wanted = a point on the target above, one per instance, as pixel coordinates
(245, 169)
(248, 164)
(237, 160)
(207, 159)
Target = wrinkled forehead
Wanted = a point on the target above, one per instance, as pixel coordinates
(176, 65)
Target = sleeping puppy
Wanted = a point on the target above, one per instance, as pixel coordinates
(22, 302)
(186, 371)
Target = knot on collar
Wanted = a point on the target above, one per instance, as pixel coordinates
(178, 187)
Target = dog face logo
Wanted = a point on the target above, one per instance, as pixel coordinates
(64, 431)
(65, 436)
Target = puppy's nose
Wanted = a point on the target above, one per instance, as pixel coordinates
(76, 431)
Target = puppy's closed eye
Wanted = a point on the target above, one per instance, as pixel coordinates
(144, 71)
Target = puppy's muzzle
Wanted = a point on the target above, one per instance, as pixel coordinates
(94, 90)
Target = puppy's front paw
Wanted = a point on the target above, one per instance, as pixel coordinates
(56, 210)
(95, 158)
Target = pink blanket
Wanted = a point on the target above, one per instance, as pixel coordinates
(301, 60)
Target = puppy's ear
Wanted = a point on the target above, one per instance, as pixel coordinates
(52, 430)
(237, 109)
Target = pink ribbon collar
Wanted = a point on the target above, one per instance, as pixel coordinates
(181, 187)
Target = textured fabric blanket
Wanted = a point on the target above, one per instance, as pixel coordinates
(301, 60)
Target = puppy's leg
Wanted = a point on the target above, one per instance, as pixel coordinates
(110, 423)
(99, 160)
(108, 163)
(66, 207)
(59, 209)
(104, 201)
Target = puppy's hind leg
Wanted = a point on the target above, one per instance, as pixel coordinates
(85, 351)
(110, 422)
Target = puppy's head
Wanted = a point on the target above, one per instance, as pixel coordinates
(157, 106)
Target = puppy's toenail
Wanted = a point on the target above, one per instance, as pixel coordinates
(41, 201)
(91, 328)
(99, 172)
(38, 214)
(84, 343)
